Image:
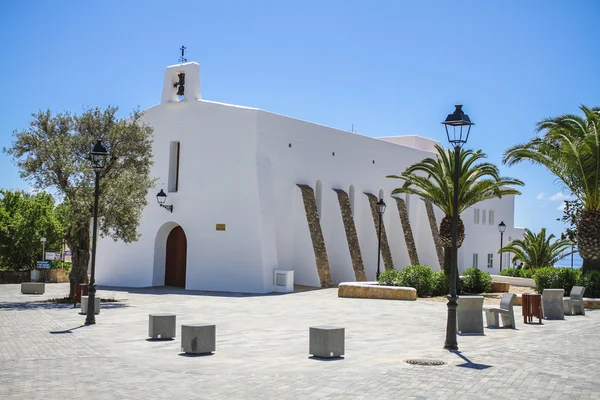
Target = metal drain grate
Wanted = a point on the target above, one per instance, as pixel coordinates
(426, 362)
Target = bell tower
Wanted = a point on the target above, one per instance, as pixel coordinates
(182, 83)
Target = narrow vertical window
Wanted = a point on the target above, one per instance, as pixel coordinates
(319, 197)
(476, 216)
(173, 184)
(475, 257)
(491, 218)
(351, 198)
(490, 261)
(483, 214)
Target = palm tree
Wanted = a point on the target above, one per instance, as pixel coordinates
(535, 249)
(432, 179)
(570, 150)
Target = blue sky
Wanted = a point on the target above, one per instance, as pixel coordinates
(388, 67)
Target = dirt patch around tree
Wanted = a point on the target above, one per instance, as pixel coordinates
(490, 299)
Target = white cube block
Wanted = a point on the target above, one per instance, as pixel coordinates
(162, 326)
(84, 305)
(198, 338)
(33, 287)
(326, 341)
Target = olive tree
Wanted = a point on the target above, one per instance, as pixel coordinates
(53, 154)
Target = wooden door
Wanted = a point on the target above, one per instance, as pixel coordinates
(176, 258)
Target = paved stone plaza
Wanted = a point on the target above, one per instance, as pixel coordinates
(262, 350)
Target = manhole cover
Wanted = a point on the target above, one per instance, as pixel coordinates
(426, 362)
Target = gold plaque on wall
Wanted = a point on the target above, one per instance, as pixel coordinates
(220, 227)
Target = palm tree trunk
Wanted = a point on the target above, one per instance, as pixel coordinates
(446, 238)
(588, 239)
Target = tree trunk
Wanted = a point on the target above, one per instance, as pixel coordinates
(80, 248)
(448, 265)
(588, 240)
(446, 238)
(446, 231)
(447, 260)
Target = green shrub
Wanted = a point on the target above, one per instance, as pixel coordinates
(511, 272)
(390, 277)
(475, 281)
(419, 277)
(556, 278)
(441, 284)
(591, 281)
(517, 273)
(527, 273)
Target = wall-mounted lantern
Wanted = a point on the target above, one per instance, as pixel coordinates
(161, 197)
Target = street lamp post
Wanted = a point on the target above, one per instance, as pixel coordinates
(380, 210)
(501, 228)
(98, 156)
(43, 248)
(458, 126)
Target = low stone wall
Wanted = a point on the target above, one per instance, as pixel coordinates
(15, 276)
(50, 276)
(372, 290)
(513, 281)
(500, 287)
(590, 303)
(56, 276)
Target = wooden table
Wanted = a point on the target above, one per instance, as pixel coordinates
(532, 307)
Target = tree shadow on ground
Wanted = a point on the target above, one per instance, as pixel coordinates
(70, 330)
(170, 290)
(46, 305)
(468, 363)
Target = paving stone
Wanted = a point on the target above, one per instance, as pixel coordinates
(47, 353)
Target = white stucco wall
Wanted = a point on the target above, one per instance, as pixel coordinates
(237, 168)
(484, 239)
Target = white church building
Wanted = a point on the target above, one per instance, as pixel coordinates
(250, 192)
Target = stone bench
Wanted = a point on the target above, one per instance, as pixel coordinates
(326, 341)
(372, 290)
(198, 338)
(84, 305)
(506, 311)
(469, 314)
(552, 303)
(161, 326)
(574, 304)
(33, 288)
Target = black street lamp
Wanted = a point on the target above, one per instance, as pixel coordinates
(98, 157)
(458, 126)
(380, 210)
(501, 229)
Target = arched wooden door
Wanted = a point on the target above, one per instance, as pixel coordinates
(176, 258)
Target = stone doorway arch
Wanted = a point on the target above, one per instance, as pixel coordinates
(170, 256)
(176, 257)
